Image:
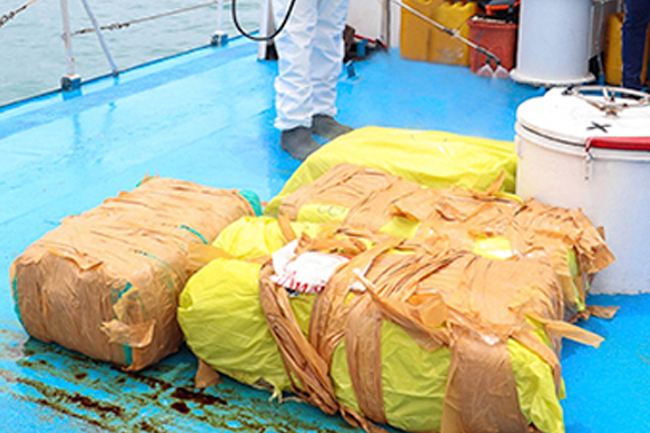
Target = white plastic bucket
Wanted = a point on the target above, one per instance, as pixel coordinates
(558, 166)
(554, 42)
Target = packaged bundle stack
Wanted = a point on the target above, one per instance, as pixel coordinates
(448, 320)
(425, 328)
(106, 283)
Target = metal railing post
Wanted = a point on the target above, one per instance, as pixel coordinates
(71, 80)
(220, 37)
(267, 27)
(386, 22)
(100, 36)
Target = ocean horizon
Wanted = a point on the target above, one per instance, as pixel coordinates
(32, 50)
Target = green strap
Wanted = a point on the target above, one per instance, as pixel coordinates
(253, 199)
(14, 291)
(199, 235)
(128, 350)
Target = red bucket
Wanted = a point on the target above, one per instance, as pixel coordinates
(498, 37)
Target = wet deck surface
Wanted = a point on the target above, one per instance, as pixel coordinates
(207, 116)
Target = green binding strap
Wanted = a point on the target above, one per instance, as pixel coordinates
(168, 276)
(253, 199)
(14, 292)
(194, 232)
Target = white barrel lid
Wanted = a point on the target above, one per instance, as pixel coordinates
(570, 118)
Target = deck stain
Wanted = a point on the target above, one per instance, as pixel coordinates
(144, 426)
(93, 405)
(204, 399)
(151, 382)
(180, 407)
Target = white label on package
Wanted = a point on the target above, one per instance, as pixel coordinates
(307, 273)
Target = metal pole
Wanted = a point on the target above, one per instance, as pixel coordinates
(220, 16)
(220, 37)
(65, 17)
(386, 23)
(267, 27)
(100, 36)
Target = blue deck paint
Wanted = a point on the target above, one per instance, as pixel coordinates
(207, 116)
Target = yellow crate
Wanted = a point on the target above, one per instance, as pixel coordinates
(443, 47)
(613, 49)
(415, 36)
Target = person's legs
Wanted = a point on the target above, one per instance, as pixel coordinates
(327, 65)
(636, 22)
(293, 98)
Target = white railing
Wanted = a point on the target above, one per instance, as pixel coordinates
(71, 80)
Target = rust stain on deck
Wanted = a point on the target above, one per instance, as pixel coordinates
(158, 400)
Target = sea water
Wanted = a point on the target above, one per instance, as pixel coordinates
(32, 52)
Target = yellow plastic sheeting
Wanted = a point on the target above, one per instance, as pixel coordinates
(220, 312)
(536, 389)
(322, 213)
(254, 237)
(224, 325)
(430, 158)
(414, 381)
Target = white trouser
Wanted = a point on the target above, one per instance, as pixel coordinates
(310, 51)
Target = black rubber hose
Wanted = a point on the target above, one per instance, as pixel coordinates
(260, 38)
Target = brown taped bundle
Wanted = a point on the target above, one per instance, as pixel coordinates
(441, 297)
(106, 283)
(371, 199)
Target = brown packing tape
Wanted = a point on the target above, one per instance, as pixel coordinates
(82, 260)
(429, 335)
(566, 330)
(376, 210)
(408, 276)
(602, 311)
(300, 359)
(481, 392)
(206, 376)
(200, 255)
(136, 336)
(75, 278)
(344, 185)
(329, 315)
(363, 351)
(285, 227)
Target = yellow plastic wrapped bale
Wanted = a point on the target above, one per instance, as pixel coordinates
(219, 310)
(223, 323)
(409, 373)
(105, 283)
(437, 337)
(430, 158)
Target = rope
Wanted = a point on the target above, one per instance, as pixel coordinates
(11, 14)
(118, 26)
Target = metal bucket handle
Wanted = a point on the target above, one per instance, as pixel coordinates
(627, 98)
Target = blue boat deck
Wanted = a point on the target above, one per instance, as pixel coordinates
(207, 116)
